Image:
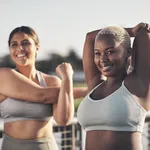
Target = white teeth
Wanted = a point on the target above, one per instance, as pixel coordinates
(104, 65)
(106, 68)
(21, 55)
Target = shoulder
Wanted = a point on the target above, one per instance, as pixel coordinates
(6, 73)
(6, 70)
(51, 80)
(136, 85)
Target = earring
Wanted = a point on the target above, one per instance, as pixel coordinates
(130, 69)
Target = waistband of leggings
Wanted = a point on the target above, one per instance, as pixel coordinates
(39, 140)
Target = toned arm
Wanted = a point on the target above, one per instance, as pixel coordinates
(92, 74)
(141, 46)
(15, 85)
(63, 111)
(79, 92)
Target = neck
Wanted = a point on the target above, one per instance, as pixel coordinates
(28, 71)
(115, 80)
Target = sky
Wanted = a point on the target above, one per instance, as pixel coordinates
(62, 24)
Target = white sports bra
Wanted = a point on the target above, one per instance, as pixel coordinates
(119, 111)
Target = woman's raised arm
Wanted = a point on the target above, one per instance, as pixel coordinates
(141, 47)
(15, 85)
(92, 74)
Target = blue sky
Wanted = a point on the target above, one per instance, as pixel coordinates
(63, 24)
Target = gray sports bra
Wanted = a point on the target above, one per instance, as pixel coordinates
(14, 110)
(119, 111)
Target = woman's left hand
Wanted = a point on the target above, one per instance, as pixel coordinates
(140, 26)
(64, 70)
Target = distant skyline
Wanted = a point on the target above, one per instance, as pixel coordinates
(62, 25)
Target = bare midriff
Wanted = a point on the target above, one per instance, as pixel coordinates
(28, 129)
(113, 140)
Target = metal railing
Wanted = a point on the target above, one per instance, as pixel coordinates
(69, 137)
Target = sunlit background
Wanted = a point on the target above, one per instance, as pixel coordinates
(63, 24)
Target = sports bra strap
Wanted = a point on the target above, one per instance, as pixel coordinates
(41, 79)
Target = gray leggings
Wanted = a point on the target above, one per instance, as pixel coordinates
(10, 143)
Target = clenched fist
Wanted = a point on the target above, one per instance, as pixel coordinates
(139, 26)
(65, 71)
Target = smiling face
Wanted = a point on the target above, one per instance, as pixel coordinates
(110, 56)
(23, 49)
(23, 44)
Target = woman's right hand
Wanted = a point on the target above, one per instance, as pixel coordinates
(65, 71)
